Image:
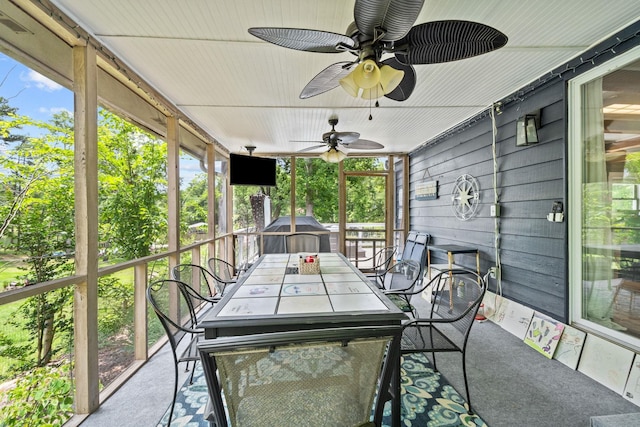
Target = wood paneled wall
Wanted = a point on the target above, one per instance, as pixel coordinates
(529, 179)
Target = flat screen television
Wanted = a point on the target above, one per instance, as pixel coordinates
(250, 170)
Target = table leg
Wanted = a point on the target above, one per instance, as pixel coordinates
(392, 378)
(396, 402)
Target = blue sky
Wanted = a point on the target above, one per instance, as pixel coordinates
(40, 98)
(33, 94)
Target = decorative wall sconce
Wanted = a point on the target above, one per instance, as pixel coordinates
(527, 129)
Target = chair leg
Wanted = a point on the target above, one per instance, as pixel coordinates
(466, 383)
(175, 395)
(193, 370)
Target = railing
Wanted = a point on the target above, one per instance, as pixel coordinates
(362, 242)
(135, 275)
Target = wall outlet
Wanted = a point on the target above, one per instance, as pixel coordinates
(494, 272)
(495, 209)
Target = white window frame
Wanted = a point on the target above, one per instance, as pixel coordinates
(574, 214)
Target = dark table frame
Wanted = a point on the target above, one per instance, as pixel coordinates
(216, 326)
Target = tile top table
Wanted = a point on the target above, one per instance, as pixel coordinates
(272, 296)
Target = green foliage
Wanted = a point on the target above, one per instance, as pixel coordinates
(242, 214)
(133, 181)
(280, 195)
(193, 201)
(365, 199)
(317, 192)
(43, 397)
(116, 310)
(48, 320)
(317, 189)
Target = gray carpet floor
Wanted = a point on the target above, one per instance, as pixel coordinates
(511, 384)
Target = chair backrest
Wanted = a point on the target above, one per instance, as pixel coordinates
(403, 275)
(383, 258)
(301, 242)
(309, 377)
(409, 244)
(222, 270)
(183, 317)
(198, 278)
(419, 249)
(460, 304)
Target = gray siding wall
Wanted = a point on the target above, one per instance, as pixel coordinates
(529, 179)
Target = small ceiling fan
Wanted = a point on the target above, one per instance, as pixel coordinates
(380, 28)
(334, 139)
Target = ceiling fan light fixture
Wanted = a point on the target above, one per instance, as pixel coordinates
(367, 74)
(349, 85)
(333, 155)
(373, 93)
(390, 78)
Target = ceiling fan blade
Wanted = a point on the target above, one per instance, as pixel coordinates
(395, 16)
(327, 79)
(315, 147)
(444, 41)
(364, 144)
(408, 83)
(303, 39)
(346, 137)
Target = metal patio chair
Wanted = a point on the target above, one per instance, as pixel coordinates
(446, 327)
(199, 278)
(381, 261)
(189, 301)
(328, 377)
(400, 280)
(301, 242)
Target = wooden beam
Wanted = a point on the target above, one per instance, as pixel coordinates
(173, 182)
(86, 229)
(230, 242)
(342, 209)
(390, 207)
(140, 312)
(406, 219)
(292, 195)
(173, 203)
(211, 196)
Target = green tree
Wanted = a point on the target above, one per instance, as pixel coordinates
(133, 181)
(281, 195)
(193, 200)
(15, 181)
(317, 189)
(40, 172)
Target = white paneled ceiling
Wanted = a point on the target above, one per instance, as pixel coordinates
(244, 91)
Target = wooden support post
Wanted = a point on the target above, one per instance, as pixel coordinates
(140, 312)
(86, 229)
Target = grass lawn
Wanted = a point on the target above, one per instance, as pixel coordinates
(9, 272)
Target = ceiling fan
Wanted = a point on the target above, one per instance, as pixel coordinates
(334, 139)
(381, 28)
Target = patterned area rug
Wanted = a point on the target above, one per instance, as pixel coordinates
(427, 400)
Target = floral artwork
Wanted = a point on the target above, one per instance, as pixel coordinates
(570, 346)
(514, 318)
(544, 334)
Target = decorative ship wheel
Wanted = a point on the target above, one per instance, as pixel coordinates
(465, 197)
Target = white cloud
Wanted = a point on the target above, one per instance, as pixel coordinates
(53, 110)
(41, 82)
